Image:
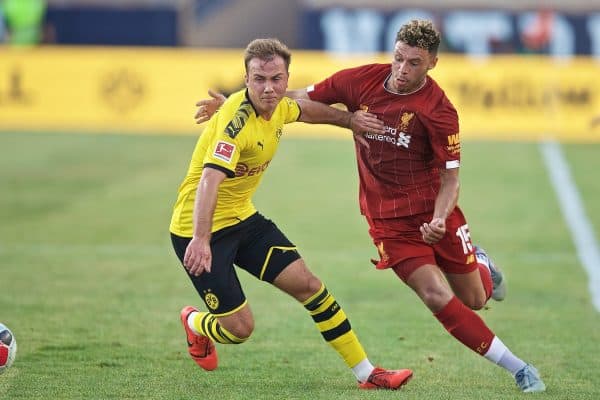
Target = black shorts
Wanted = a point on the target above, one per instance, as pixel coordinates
(255, 245)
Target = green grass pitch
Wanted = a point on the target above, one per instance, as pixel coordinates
(92, 290)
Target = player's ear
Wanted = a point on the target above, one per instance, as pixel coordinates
(433, 63)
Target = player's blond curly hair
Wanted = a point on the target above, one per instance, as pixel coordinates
(266, 50)
(420, 33)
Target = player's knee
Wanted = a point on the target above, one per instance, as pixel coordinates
(435, 297)
(242, 330)
(313, 285)
(298, 281)
(475, 303)
(478, 303)
(240, 325)
(307, 286)
(307, 289)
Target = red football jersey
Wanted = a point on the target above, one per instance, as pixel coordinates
(399, 173)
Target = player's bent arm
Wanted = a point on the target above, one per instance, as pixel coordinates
(445, 202)
(448, 195)
(198, 257)
(206, 201)
(207, 107)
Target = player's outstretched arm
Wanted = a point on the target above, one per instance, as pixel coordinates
(297, 94)
(314, 112)
(207, 107)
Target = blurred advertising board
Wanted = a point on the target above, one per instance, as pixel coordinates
(479, 32)
(149, 90)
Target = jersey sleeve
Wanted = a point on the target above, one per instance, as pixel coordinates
(290, 109)
(334, 89)
(223, 150)
(444, 134)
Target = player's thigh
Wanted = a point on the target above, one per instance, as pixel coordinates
(400, 244)
(265, 251)
(429, 284)
(468, 287)
(220, 289)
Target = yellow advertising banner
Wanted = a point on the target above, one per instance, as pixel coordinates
(155, 90)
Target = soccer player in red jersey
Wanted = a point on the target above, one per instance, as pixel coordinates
(409, 188)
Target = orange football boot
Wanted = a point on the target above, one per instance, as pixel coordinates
(387, 379)
(201, 349)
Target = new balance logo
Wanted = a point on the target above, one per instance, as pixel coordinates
(403, 140)
(453, 139)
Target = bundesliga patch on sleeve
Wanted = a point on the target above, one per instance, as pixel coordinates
(224, 151)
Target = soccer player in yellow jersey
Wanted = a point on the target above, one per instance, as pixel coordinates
(215, 225)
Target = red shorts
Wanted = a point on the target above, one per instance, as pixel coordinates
(401, 246)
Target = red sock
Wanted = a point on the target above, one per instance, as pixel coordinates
(466, 326)
(486, 279)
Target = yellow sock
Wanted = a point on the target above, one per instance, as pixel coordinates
(206, 324)
(335, 327)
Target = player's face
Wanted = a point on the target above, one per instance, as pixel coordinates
(409, 67)
(267, 81)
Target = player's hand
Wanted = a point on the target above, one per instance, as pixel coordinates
(433, 231)
(198, 257)
(362, 122)
(207, 107)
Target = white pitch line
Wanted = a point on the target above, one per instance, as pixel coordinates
(575, 216)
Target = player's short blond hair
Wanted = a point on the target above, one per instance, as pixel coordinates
(420, 33)
(266, 50)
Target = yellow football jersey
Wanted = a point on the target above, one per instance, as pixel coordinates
(241, 144)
